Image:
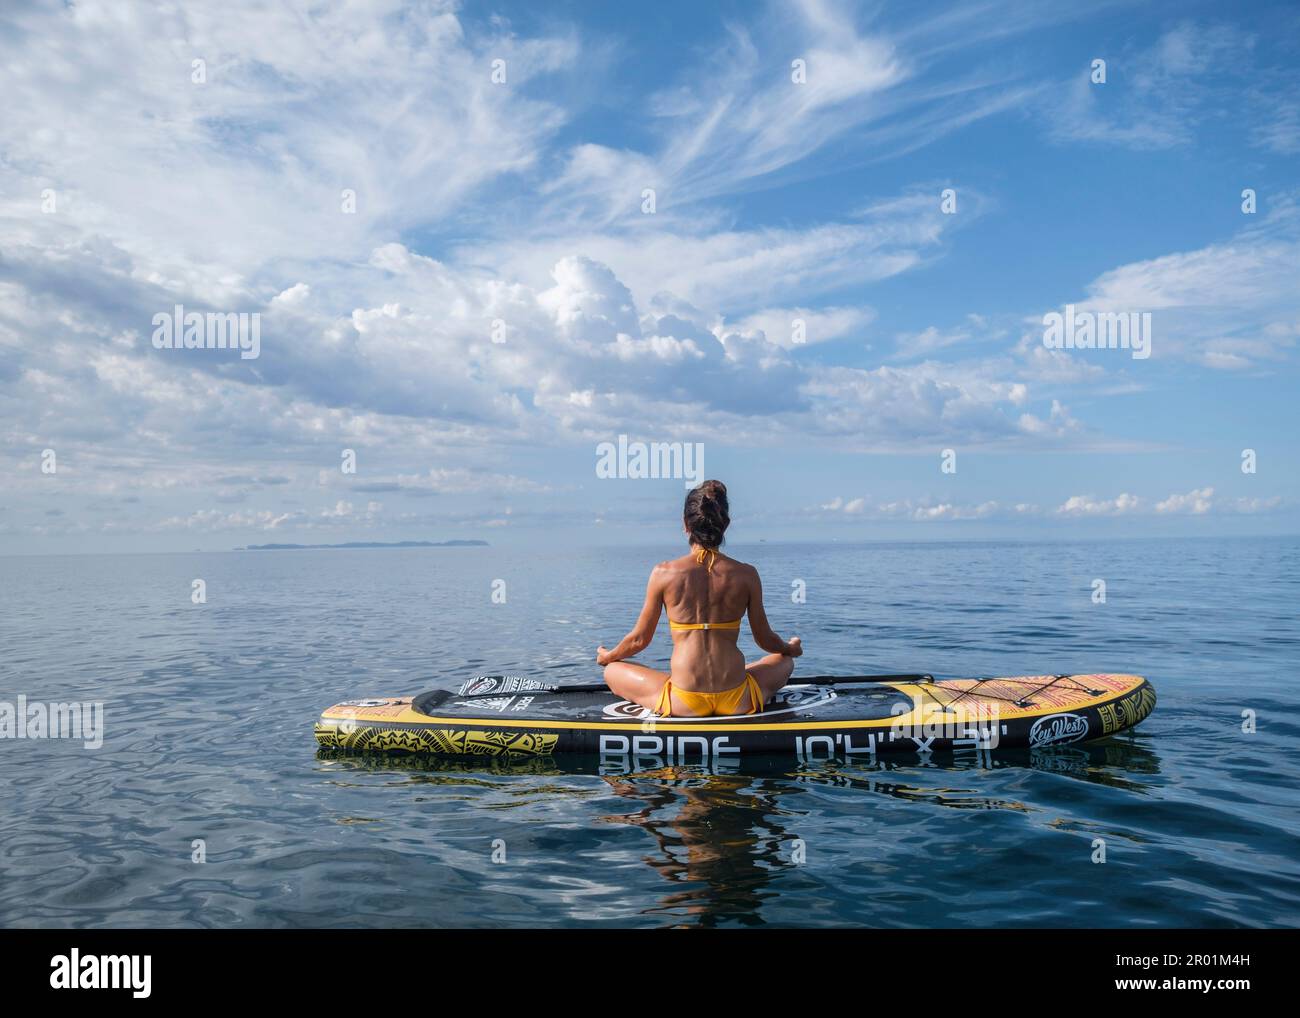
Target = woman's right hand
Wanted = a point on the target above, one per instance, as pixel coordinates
(794, 647)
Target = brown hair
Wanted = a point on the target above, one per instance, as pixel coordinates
(706, 515)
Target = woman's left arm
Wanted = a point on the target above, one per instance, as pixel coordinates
(646, 624)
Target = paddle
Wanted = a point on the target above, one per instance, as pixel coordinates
(811, 680)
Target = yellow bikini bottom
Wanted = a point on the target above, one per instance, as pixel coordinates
(703, 704)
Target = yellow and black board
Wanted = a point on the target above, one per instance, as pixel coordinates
(515, 716)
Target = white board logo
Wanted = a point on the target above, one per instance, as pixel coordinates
(366, 703)
(497, 703)
(1056, 729)
(481, 684)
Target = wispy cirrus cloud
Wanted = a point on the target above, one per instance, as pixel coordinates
(1159, 95)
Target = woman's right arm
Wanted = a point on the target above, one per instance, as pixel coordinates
(764, 635)
(646, 624)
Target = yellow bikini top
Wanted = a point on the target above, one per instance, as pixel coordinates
(700, 556)
(679, 626)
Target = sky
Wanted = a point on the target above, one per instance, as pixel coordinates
(819, 244)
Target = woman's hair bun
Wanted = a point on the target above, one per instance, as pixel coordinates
(707, 514)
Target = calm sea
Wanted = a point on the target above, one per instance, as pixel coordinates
(209, 751)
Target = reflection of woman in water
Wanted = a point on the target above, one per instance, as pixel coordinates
(722, 847)
(706, 595)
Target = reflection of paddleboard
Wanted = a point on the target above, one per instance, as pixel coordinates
(497, 715)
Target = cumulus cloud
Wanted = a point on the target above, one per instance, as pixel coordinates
(1196, 502)
(1087, 505)
(1201, 501)
(922, 510)
(1058, 422)
(849, 507)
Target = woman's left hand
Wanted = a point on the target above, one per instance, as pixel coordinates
(602, 655)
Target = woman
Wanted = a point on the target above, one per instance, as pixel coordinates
(706, 595)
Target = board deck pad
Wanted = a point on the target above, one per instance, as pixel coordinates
(520, 716)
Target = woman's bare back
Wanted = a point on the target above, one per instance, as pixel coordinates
(706, 594)
(706, 660)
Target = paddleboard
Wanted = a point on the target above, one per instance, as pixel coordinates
(516, 716)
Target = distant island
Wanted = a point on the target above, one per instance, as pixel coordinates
(368, 544)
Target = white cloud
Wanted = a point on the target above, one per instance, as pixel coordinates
(1087, 505)
(213, 520)
(1226, 306)
(1256, 505)
(1156, 97)
(296, 294)
(931, 340)
(1197, 502)
(297, 106)
(821, 325)
(226, 195)
(920, 510)
(848, 507)
(1058, 422)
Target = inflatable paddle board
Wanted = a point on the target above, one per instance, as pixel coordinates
(822, 718)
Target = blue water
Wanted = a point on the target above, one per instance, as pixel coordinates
(209, 736)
